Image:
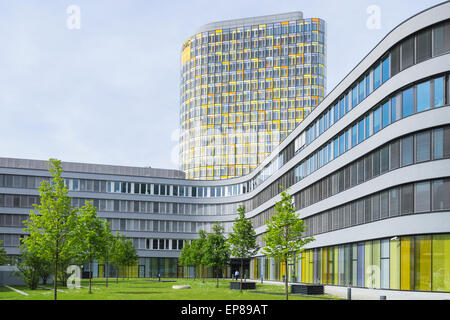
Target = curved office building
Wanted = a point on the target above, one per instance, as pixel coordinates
(369, 169)
(245, 85)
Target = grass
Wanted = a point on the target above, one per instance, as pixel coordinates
(142, 289)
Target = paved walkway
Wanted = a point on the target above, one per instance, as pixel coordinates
(374, 294)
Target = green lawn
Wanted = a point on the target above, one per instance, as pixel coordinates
(142, 289)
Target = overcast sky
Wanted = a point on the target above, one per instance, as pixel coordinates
(109, 92)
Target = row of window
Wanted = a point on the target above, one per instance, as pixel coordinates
(158, 244)
(415, 148)
(146, 225)
(130, 206)
(420, 197)
(377, 75)
(426, 95)
(248, 32)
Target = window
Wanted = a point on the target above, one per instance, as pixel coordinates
(441, 41)
(385, 114)
(376, 163)
(422, 197)
(423, 144)
(439, 92)
(384, 166)
(438, 143)
(408, 102)
(394, 109)
(376, 120)
(441, 190)
(361, 90)
(368, 126)
(354, 136)
(395, 60)
(423, 51)
(360, 131)
(395, 155)
(407, 150)
(354, 96)
(423, 96)
(377, 76)
(384, 204)
(407, 199)
(408, 53)
(386, 69)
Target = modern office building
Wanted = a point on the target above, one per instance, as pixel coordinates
(369, 169)
(245, 85)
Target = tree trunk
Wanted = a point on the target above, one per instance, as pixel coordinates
(217, 275)
(90, 275)
(105, 270)
(242, 271)
(286, 279)
(55, 280)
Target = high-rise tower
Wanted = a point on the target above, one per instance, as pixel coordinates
(245, 84)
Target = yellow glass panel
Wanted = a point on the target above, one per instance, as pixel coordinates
(324, 265)
(376, 263)
(336, 265)
(407, 263)
(422, 259)
(368, 264)
(394, 264)
(441, 262)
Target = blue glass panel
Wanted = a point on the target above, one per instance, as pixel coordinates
(341, 108)
(408, 102)
(368, 91)
(336, 113)
(393, 109)
(423, 96)
(439, 92)
(347, 102)
(347, 140)
(385, 114)
(368, 126)
(361, 131)
(386, 69)
(354, 136)
(341, 144)
(377, 77)
(354, 96)
(361, 90)
(336, 148)
(376, 120)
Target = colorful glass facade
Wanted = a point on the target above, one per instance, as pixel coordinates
(245, 85)
(417, 263)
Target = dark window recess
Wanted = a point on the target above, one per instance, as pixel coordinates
(408, 53)
(395, 60)
(423, 51)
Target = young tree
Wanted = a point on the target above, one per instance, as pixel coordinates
(117, 252)
(283, 238)
(198, 252)
(106, 253)
(130, 255)
(31, 268)
(3, 256)
(186, 259)
(51, 229)
(243, 239)
(217, 250)
(91, 238)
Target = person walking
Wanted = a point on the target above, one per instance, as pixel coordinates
(236, 275)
